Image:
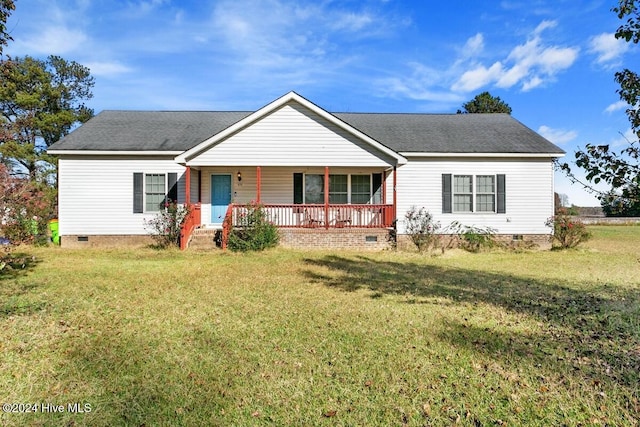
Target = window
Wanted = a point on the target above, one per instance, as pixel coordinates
(463, 193)
(485, 193)
(314, 189)
(154, 191)
(338, 189)
(360, 189)
(469, 193)
(343, 188)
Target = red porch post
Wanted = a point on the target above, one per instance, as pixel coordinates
(187, 190)
(395, 193)
(258, 183)
(326, 197)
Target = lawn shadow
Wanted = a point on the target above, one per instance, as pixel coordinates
(13, 265)
(594, 325)
(15, 298)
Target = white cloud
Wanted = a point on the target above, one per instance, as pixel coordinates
(608, 49)
(479, 77)
(53, 40)
(107, 69)
(529, 65)
(557, 136)
(297, 42)
(353, 22)
(616, 106)
(419, 86)
(543, 26)
(474, 46)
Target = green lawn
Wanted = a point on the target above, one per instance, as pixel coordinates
(150, 338)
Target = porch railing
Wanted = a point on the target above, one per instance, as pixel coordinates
(192, 220)
(321, 216)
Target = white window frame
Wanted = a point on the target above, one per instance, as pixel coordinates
(493, 193)
(474, 194)
(145, 192)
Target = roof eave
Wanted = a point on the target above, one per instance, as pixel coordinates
(508, 155)
(112, 153)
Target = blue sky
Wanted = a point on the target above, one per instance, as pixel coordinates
(552, 61)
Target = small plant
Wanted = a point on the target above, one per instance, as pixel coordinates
(166, 225)
(568, 232)
(472, 238)
(421, 228)
(253, 231)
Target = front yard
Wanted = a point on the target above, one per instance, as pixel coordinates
(144, 337)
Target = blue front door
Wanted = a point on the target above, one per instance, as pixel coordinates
(220, 197)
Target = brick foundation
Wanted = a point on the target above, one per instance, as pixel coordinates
(539, 241)
(372, 239)
(104, 241)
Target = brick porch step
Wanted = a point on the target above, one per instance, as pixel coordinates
(204, 238)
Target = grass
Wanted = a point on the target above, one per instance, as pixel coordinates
(325, 338)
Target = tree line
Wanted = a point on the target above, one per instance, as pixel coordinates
(41, 101)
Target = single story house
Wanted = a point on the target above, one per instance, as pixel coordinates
(327, 179)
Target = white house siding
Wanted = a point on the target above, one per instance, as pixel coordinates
(194, 187)
(291, 136)
(276, 183)
(95, 194)
(529, 192)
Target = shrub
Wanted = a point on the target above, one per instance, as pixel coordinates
(166, 225)
(253, 231)
(472, 238)
(568, 232)
(25, 208)
(421, 228)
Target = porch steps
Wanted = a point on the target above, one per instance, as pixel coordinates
(204, 238)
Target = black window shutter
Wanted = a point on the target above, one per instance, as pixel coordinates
(446, 193)
(172, 194)
(138, 192)
(297, 188)
(502, 195)
(376, 180)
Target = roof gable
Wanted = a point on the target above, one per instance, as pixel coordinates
(290, 135)
(270, 108)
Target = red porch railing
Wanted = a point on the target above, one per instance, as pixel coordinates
(299, 216)
(192, 220)
(321, 216)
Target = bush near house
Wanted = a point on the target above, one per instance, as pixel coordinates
(568, 231)
(428, 235)
(25, 208)
(254, 232)
(165, 227)
(421, 228)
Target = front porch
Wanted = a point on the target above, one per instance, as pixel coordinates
(336, 210)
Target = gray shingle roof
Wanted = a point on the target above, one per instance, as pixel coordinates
(424, 133)
(451, 133)
(147, 130)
